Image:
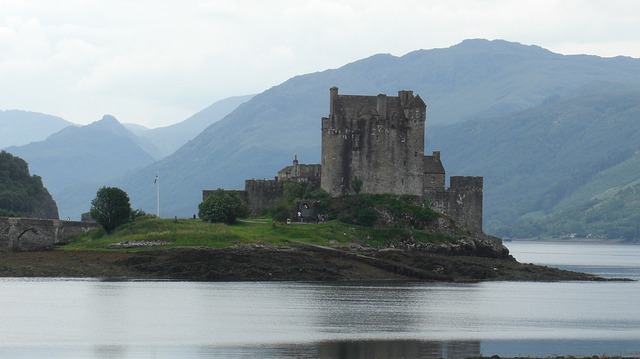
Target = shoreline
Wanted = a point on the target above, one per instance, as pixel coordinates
(270, 263)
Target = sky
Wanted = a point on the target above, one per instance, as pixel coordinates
(157, 62)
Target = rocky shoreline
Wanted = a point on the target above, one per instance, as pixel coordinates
(300, 262)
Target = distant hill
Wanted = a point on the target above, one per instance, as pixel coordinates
(552, 170)
(22, 194)
(168, 139)
(501, 86)
(22, 127)
(76, 161)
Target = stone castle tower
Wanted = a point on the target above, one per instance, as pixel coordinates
(378, 139)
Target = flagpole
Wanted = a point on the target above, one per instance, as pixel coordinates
(158, 191)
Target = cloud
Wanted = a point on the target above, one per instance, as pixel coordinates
(158, 62)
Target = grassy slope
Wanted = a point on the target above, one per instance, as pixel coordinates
(196, 233)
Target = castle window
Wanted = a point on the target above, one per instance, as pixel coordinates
(405, 162)
(403, 139)
(415, 154)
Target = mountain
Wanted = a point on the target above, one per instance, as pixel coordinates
(548, 166)
(22, 127)
(168, 139)
(76, 161)
(22, 194)
(475, 83)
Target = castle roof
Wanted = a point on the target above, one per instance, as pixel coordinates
(416, 102)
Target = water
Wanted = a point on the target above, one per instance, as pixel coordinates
(67, 318)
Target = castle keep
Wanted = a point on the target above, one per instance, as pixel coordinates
(380, 141)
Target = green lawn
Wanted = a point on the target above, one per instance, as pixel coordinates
(196, 233)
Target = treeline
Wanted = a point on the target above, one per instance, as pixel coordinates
(20, 192)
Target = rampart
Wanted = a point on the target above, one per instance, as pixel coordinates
(462, 201)
(28, 234)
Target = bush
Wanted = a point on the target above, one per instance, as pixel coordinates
(223, 207)
(403, 211)
(111, 208)
(280, 211)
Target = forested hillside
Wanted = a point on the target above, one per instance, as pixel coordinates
(565, 166)
(22, 194)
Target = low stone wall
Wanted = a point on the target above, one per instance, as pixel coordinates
(29, 234)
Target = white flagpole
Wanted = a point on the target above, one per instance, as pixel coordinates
(158, 191)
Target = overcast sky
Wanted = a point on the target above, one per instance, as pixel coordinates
(158, 62)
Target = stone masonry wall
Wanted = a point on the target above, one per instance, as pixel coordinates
(462, 201)
(379, 139)
(261, 194)
(25, 234)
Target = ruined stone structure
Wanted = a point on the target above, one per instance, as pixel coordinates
(24, 234)
(380, 141)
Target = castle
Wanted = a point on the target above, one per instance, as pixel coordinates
(379, 142)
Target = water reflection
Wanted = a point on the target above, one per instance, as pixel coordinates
(365, 309)
(391, 349)
(399, 349)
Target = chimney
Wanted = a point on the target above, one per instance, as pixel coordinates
(405, 97)
(436, 155)
(333, 97)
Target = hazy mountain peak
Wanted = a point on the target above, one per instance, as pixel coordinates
(108, 123)
(22, 127)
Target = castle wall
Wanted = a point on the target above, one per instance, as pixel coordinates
(24, 234)
(379, 139)
(462, 201)
(262, 194)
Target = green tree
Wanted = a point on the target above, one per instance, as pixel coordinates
(294, 190)
(111, 208)
(223, 207)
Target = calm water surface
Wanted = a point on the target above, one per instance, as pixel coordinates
(92, 319)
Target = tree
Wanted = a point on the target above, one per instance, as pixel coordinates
(111, 208)
(223, 207)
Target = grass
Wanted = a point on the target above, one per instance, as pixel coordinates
(196, 233)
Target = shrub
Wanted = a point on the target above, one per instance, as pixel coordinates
(223, 207)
